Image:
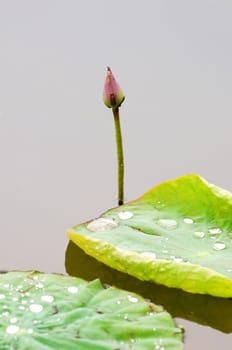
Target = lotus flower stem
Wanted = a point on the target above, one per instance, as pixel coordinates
(113, 97)
(119, 145)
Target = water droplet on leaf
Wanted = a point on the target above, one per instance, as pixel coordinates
(6, 313)
(36, 308)
(102, 224)
(12, 329)
(214, 231)
(178, 259)
(125, 215)
(73, 290)
(132, 299)
(13, 320)
(203, 254)
(188, 221)
(168, 223)
(47, 298)
(219, 246)
(149, 255)
(199, 234)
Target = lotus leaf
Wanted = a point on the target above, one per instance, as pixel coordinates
(51, 311)
(178, 234)
(200, 308)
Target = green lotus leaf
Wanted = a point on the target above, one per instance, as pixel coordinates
(178, 234)
(49, 311)
(200, 308)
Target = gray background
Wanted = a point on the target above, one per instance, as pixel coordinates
(173, 60)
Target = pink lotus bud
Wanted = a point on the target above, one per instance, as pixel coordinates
(112, 94)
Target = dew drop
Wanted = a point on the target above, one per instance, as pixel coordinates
(73, 290)
(12, 329)
(219, 246)
(125, 215)
(47, 298)
(13, 320)
(30, 331)
(199, 234)
(39, 285)
(24, 301)
(177, 259)
(101, 224)
(36, 308)
(118, 302)
(6, 285)
(203, 254)
(35, 278)
(2, 296)
(149, 255)
(168, 223)
(165, 251)
(159, 346)
(229, 270)
(188, 221)
(6, 313)
(36, 321)
(21, 307)
(132, 299)
(214, 231)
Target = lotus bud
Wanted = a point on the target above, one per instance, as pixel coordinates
(112, 94)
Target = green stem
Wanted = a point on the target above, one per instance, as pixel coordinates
(118, 135)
